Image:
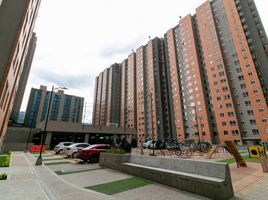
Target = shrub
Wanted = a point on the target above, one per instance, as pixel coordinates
(3, 176)
(5, 160)
(116, 151)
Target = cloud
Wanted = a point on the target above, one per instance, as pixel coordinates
(118, 48)
(67, 80)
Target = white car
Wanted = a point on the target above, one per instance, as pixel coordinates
(147, 144)
(71, 151)
(59, 147)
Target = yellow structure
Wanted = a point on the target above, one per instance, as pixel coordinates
(256, 151)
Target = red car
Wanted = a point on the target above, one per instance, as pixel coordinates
(92, 153)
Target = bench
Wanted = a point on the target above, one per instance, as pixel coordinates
(209, 179)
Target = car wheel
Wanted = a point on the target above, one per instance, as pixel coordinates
(74, 155)
(60, 151)
(94, 159)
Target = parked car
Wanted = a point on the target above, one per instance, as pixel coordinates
(92, 153)
(147, 144)
(71, 151)
(59, 147)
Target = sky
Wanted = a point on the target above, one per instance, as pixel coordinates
(77, 41)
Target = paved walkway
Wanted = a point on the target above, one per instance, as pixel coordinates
(257, 191)
(30, 182)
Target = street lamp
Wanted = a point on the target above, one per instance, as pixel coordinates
(39, 159)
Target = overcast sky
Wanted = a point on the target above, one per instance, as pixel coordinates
(78, 39)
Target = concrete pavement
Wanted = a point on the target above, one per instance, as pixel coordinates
(30, 182)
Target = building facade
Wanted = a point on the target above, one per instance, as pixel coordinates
(114, 96)
(23, 80)
(64, 108)
(204, 81)
(17, 19)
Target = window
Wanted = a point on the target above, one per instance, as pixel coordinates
(221, 73)
(255, 131)
(247, 103)
(243, 86)
(241, 78)
(230, 114)
(232, 123)
(250, 112)
(234, 132)
(228, 105)
(252, 122)
(219, 66)
(4, 95)
(225, 88)
(225, 132)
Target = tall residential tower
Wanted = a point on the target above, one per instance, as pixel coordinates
(17, 19)
(204, 81)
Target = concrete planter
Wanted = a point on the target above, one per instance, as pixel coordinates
(209, 179)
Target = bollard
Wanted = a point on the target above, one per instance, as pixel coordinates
(264, 164)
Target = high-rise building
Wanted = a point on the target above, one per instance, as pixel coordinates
(114, 92)
(152, 99)
(104, 97)
(204, 81)
(95, 107)
(17, 19)
(123, 102)
(106, 110)
(23, 79)
(131, 108)
(64, 108)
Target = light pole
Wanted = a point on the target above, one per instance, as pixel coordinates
(39, 159)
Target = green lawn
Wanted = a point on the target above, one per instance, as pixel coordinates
(247, 159)
(5, 160)
(120, 186)
(58, 163)
(48, 159)
(73, 172)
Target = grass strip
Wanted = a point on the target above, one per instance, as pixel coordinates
(74, 172)
(58, 163)
(246, 158)
(120, 186)
(48, 159)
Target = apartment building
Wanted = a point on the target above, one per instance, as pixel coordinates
(64, 108)
(23, 79)
(123, 101)
(114, 98)
(204, 81)
(17, 19)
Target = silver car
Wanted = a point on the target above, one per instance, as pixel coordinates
(71, 151)
(59, 147)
